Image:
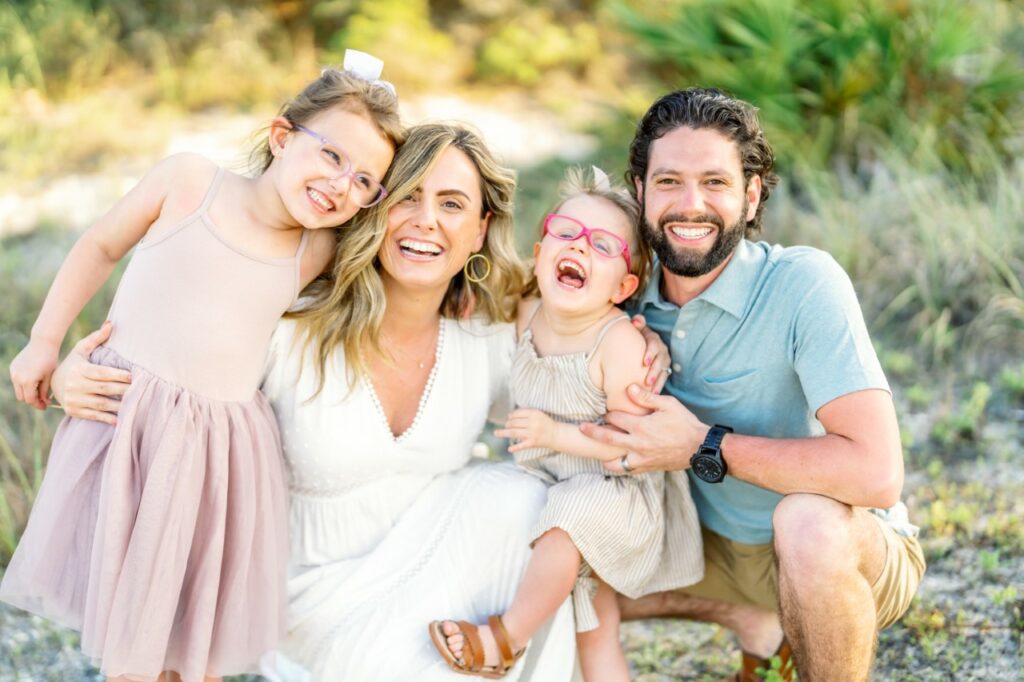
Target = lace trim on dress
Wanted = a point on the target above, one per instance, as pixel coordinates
(423, 396)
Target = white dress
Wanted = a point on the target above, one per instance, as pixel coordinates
(390, 533)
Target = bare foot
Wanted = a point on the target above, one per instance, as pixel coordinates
(457, 641)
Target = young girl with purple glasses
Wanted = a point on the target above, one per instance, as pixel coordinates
(163, 537)
(599, 533)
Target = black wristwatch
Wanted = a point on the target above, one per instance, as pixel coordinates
(707, 463)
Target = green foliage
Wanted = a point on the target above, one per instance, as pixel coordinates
(919, 396)
(775, 672)
(56, 46)
(1004, 595)
(418, 55)
(899, 364)
(842, 80)
(524, 51)
(1012, 380)
(964, 425)
(989, 561)
(186, 53)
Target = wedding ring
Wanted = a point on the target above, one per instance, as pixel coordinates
(667, 371)
(624, 461)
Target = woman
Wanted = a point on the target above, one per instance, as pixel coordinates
(381, 383)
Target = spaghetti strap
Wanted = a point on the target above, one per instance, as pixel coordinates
(302, 244)
(212, 191)
(604, 330)
(298, 261)
(529, 320)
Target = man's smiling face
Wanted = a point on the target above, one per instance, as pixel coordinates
(696, 202)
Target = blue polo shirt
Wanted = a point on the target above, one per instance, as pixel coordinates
(777, 335)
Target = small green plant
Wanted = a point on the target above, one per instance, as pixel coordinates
(924, 620)
(989, 560)
(965, 425)
(898, 364)
(1012, 381)
(775, 671)
(919, 396)
(1005, 595)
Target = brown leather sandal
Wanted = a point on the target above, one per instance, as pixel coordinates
(748, 672)
(472, 661)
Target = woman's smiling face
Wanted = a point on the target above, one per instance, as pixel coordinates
(433, 231)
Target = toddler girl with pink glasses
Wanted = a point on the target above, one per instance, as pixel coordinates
(599, 533)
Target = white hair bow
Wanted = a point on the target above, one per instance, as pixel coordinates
(601, 181)
(366, 67)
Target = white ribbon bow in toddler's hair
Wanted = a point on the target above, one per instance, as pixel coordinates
(367, 67)
(601, 180)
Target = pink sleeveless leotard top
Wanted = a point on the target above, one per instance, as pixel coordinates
(198, 311)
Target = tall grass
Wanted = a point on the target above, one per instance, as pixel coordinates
(27, 266)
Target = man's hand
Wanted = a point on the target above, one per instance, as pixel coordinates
(661, 441)
(529, 429)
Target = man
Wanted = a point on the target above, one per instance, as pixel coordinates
(769, 344)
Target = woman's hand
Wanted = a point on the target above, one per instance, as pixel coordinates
(31, 371)
(89, 391)
(657, 359)
(529, 429)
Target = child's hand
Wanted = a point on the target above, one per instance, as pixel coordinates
(31, 370)
(529, 429)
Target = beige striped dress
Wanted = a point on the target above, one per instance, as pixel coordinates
(640, 534)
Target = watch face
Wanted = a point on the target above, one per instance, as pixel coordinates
(707, 468)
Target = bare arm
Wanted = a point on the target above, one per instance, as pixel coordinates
(85, 269)
(534, 428)
(859, 460)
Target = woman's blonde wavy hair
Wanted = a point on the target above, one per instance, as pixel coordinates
(344, 309)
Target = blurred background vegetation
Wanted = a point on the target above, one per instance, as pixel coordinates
(899, 126)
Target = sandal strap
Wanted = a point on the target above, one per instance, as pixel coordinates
(502, 639)
(473, 647)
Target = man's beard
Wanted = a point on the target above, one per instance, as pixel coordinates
(687, 262)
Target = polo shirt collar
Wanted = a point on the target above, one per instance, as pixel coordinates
(730, 291)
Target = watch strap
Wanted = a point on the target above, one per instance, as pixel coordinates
(715, 435)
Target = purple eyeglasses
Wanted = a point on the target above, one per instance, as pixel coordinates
(365, 189)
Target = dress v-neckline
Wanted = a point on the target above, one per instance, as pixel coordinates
(424, 396)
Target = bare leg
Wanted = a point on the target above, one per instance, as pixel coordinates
(758, 631)
(600, 650)
(829, 556)
(549, 578)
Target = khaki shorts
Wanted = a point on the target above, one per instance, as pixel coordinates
(746, 574)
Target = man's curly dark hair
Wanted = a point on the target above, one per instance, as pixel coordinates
(707, 108)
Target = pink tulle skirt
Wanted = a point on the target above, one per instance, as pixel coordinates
(162, 539)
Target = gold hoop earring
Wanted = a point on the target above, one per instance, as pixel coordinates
(467, 269)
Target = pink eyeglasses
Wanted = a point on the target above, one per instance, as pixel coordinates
(603, 242)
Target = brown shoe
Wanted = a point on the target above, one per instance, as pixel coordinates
(751, 663)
